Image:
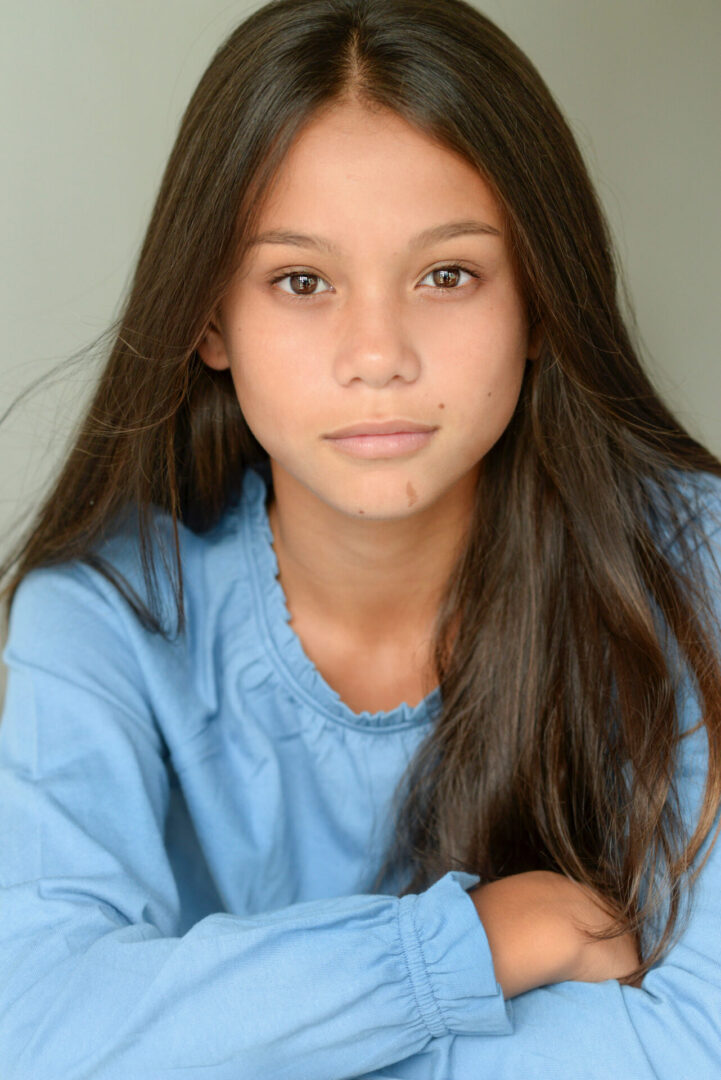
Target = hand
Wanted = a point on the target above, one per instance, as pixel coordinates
(535, 923)
(598, 960)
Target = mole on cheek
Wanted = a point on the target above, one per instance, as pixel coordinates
(441, 405)
(412, 497)
(361, 511)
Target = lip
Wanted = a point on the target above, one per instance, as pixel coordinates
(388, 445)
(383, 427)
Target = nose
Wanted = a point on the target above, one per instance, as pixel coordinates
(375, 343)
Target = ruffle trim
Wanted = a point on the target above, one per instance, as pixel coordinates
(282, 648)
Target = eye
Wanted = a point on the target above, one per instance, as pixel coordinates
(307, 280)
(452, 272)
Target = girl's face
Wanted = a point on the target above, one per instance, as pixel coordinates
(347, 321)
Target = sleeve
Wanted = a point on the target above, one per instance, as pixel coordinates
(97, 983)
(669, 1028)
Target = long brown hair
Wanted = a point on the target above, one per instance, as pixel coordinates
(559, 731)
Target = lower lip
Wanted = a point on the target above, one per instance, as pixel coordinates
(383, 446)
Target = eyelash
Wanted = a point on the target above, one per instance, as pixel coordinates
(314, 296)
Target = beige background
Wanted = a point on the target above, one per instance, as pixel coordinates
(93, 91)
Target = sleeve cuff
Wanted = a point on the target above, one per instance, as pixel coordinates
(450, 961)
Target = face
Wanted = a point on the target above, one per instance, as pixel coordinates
(371, 322)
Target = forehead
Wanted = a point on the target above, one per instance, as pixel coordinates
(350, 170)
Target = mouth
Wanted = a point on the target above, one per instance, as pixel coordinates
(384, 427)
(389, 444)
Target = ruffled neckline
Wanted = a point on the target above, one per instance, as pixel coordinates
(283, 645)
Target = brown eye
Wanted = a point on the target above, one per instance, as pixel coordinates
(446, 278)
(306, 283)
(447, 275)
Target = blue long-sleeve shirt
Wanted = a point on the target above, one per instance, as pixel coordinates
(188, 835)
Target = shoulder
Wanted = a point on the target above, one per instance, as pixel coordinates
(686, 512)
(118, 572)
(703, 491)
(692, 543)
(71, 625)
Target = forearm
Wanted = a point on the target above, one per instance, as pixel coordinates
(533, 922)
(529, 942)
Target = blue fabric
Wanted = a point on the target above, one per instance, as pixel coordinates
(189, 832)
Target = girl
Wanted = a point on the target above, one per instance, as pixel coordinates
(364, 691)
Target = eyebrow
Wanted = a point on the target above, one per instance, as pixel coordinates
(447, 231)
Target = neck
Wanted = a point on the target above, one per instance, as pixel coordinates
(376, 584)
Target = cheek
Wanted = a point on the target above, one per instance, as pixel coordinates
(488, 340)
(489, 370)
(272, 383)
(485, 385)
(274, 393)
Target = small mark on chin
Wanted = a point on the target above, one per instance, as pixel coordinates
(441, 405)
(489, 393)
(361, 511)
(410, 492)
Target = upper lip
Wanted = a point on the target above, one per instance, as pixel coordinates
(383, 427)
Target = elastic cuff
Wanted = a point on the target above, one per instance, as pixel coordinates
(450, 961)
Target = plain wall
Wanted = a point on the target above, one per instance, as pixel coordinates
(92, 94)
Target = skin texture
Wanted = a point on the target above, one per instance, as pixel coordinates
(364, 547)
(535, 925)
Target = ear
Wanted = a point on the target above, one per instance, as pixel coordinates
(535, 340)
(212, 350)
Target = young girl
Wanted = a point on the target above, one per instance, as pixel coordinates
(364, 691)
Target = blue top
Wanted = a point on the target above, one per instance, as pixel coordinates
(189, 831)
